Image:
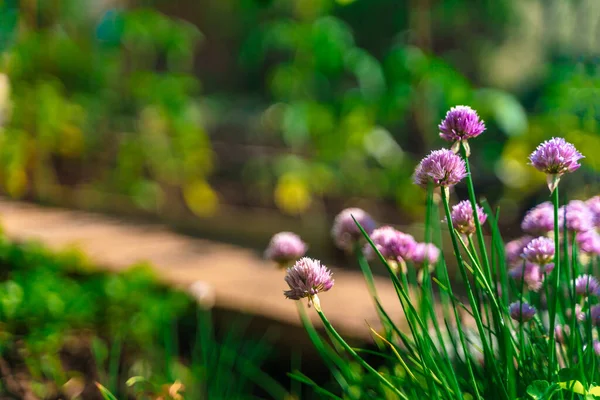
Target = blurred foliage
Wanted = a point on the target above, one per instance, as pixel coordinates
(65, 324)
(338, 98)
(107, 102)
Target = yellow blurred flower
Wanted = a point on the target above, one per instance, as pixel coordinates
(292, 195)
(201, 198)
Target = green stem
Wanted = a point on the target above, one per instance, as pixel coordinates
(472, 199)
(496, 313)
(470, 294)
(555, 285)
(366, 270)
(358, 358)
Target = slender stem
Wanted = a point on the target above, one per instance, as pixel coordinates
(496, 313)
(471, 299)
(555, 285)
(471, 190)
(358, 358)
(366, 270)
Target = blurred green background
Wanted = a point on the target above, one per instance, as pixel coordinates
(293, 107)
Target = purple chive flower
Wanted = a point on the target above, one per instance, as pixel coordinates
(539, 220)
(392, 244)
(514, 250)
(555, 157)
(589, 242)
(579, 217)
(594, 206)
(426, 253)
(596, 346)
(463, 219)
(586, 284)
(521, 312)
(307, 278)
(442, 167)
(595, 315)
(539, 251)
(460, 124)
(285, 247)
(345, 232)
(530, 276)
(382, 238)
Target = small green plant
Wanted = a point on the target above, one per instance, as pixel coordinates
(65, 327)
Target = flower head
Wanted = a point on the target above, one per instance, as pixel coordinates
(521, 312)
(345, 232)
(555, 157)
(539, 251)
(514, 250)
(586, 284)
(595, 315)
(594, 206)
(529, 275)
(426, 253)
(285, 247)
(392, 244)
(539, 220)
(463, 219)
(589, 242)
(461, 123)
(596, 346)
(579, 217)
(442, 167)
(307, 278)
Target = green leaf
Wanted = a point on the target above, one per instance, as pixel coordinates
(537, 389)
(568, 374)
(105, 393)
(11, 298)
(135, 379)
(307, 381)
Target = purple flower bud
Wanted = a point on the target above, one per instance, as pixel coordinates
(539, 251)
(521, 312)
(594, 206)
(514, 250)
(392, 244)
(285, 247)
(345, 232)
(539, 220)
(461, 123)
(562, 333)
(555, 157)
(463, 219)
(595, 315)
(596, 346)
(589, 242)
(307, 278)
(530, 276)
(579, 217)
(426, 253)
(586, 284)
(442, 167)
